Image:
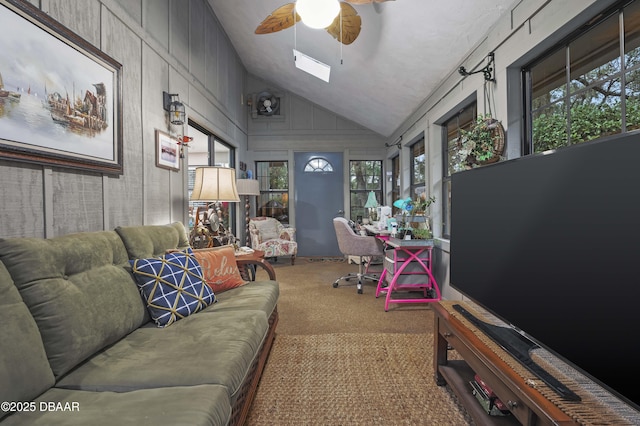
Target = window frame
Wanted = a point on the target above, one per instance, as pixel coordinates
(275, 195)
(362, 194)
(616, 16)
(469, 110)
(414, 157)
(214, 144)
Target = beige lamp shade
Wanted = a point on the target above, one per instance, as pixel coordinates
(248, 187)
(215, 184)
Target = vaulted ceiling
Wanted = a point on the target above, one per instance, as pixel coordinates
(404, 50)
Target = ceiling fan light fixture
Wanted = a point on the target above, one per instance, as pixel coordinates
(318, 14)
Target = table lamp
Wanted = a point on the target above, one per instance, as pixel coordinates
(371, 204)
(247, 187)
(215, 185)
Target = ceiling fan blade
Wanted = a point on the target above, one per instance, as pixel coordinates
(280, 19)
(351, 24)
(366, 1)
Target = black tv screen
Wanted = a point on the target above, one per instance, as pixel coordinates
(551, 244)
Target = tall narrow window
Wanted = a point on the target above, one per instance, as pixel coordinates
(364, 177)
(395, 181)
(274, 189)
(451, 142)
(417, 166)
(207, 150)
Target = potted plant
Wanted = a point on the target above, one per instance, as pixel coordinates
(484, 142)
(413, 210)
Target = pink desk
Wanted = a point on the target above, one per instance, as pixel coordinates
(407, 267)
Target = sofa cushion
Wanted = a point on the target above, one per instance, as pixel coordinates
(219, 268)
(24, 370)
(257, 295)
(213, 348)
(194, 405)
(78, 291)
(152, 240)
(172, 286)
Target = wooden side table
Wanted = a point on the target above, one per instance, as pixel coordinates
(247, 263)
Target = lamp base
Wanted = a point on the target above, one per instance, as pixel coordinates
(247, 206)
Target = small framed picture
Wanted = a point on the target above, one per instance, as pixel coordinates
(167, 151)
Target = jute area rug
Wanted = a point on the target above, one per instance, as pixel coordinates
(340, 359)
(353, 379)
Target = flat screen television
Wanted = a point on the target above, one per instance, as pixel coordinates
(551, 245)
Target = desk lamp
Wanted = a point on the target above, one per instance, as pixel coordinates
(371, 204)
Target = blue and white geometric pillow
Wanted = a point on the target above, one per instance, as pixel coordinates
(172, 286)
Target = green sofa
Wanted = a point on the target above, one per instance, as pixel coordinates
(79, 346)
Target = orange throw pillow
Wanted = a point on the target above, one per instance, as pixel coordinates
(219, 268)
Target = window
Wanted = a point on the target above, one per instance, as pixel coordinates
(364, 177)
(207, 150)
(587, 88)
(395, 182)
(417, 166)
(318, 165)
(463, 120)
(274, 189)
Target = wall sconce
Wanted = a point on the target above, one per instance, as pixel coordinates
(171, 102)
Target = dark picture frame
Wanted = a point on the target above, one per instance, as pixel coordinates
(167, 151)
(60, 96)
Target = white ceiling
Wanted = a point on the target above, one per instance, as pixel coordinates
(405, 49)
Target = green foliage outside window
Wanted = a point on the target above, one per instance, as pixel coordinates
(594, 100)
(364, 176)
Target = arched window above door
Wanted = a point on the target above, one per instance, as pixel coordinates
(318, 165)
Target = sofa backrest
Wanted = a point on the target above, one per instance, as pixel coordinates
(24, 370)
(148, 241)
(78, 291)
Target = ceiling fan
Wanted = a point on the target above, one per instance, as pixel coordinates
(286, 16)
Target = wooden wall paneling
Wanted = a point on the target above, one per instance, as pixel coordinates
(77, 202)
(179, 31)
(134, 9)
(80, 16)
(301, 113)
(212, 33)
(324, 120)
(223, 67)
(197, 48)
(155, 18)
(123, 203)
(22, 195)
(155, 180)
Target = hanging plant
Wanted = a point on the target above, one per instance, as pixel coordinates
(484, 142)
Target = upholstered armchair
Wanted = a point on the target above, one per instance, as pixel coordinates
(270, 236)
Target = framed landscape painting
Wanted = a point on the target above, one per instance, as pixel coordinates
(167, 151)
(60, 97)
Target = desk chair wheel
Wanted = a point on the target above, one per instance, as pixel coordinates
(335, 285)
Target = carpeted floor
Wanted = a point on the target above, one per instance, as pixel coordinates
(340, 359)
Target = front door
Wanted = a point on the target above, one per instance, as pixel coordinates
(318, 198)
